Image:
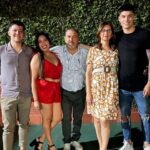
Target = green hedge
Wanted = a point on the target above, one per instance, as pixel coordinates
(54, 18)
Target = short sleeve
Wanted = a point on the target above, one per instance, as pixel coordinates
(90, 56)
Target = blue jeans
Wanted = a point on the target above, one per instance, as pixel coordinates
(125, 102)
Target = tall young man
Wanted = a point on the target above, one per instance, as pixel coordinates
(134, 55)
(16, 86)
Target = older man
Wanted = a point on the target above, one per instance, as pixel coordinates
(73, 59)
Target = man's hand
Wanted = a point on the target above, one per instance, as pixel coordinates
(146, 90)
(36, 104)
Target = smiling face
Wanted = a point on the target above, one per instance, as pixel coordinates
(43, 43)
(16, 33)
(106, 33)
(71, 39)
(126, 19)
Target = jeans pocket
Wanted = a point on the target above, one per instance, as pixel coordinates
(6, 103)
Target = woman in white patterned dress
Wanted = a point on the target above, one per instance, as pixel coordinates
(102, 83)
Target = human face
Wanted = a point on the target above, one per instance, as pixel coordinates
(106, 33)
(126, 19)
(71, 39)
(16, 33)
(43, 43)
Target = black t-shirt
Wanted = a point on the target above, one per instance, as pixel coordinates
(133, 59)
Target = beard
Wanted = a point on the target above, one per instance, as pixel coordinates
(72, 45)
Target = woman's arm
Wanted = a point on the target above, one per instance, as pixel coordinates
(88, 83)
(34, 65)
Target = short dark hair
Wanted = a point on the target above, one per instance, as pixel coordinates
(72, 29)
(17, 22)
(126, 7)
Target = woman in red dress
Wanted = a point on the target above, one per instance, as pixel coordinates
(46, 71)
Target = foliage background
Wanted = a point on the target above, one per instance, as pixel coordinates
(54, 16)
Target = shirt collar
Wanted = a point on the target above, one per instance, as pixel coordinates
(74, 53)
(10, 49)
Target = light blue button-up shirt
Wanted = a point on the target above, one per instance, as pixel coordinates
(74, 67)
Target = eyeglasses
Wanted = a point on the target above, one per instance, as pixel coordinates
(108, 31)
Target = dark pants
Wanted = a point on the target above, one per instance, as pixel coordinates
(73, 104)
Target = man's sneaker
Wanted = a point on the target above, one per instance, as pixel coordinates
(67, 146)
(127, 146)
(76, 145)
(147, 148)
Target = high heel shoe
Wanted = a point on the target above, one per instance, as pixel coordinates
(49, 146)
(36, 142)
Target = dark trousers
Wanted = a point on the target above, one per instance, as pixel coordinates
(73, 104)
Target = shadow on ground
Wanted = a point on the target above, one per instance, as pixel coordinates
(114, 142)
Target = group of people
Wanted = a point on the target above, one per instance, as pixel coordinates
(60, 79)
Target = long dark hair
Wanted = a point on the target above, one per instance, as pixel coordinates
(37, 43)
(112, 40)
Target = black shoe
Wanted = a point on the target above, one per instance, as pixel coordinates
(36, 142)
(49, 146)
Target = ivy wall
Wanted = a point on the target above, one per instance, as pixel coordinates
(54, 16)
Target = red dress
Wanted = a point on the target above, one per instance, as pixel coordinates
(49, 92)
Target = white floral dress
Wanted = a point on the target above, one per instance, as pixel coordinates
(104, 83)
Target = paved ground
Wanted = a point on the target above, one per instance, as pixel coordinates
(88, 138)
